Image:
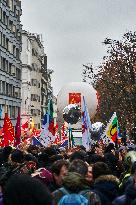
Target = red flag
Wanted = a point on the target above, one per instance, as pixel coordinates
(17, 131)
(25, 126)
(8, 132)
(52, 130)
(1, 134)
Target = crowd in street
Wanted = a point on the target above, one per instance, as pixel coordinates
(33, 175)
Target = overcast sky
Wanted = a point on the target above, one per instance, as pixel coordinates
(73, 31)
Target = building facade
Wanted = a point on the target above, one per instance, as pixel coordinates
(34, 78)
(10, 63)
(44, 88)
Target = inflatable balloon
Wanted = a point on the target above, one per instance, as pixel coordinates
(72, 113)
(97, 130)
(80, 89)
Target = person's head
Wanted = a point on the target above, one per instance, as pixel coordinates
(25, 190)
(78, 155)
(59, 169)
(54, 158)
(74, 182)
(16, 157)
(99, 150)
(78, 166)
(33, 149)
(123, 151)
(109, 148)
(89, 176)
(95, 158)
(99, 169)
(50, 151)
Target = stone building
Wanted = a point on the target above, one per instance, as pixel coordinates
(10, 63)
(34, 78)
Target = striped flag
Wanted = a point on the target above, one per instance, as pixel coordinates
(44, 136)
(111, 132)
(47, 136)
(86, 126)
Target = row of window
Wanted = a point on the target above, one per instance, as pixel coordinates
(35, 82)
(35, 112)
(35, 67)
(11, 110)
(12, 6)
(35, 53)
(9, 24)
(9, 90)
(9, 46)
(35, 97)
(9, 68)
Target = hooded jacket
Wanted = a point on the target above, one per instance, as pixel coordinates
(75, 183)
(106, 186)
(128, 197)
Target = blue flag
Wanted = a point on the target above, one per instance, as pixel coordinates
(35, 141)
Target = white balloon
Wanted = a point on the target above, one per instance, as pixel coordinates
(96, 126)
(85, 89)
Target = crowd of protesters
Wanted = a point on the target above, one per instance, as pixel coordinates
(32, 175)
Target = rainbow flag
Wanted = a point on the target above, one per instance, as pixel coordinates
(111, 132)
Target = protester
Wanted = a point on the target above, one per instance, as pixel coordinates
(105, 184)
(75, 186)
(89, 176)
(59, 169)
(129, 161)
(81, 154)
(130, 191)
(24, 190)
(79, 167)
(103, 175)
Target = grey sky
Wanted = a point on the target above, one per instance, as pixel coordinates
(73, 31)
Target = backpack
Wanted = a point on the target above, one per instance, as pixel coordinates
(74, 198)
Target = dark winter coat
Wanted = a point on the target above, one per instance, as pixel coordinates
(106, 186)
(128, 197)
(1, 198)
(75, 183)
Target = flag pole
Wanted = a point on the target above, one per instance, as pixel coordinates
(69, 137)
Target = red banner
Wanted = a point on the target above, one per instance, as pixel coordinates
(75, 98)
